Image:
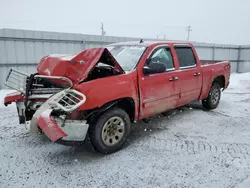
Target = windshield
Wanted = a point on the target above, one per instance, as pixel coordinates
(126, 55)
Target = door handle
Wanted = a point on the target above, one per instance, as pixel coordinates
(173, 79)
(197, 74)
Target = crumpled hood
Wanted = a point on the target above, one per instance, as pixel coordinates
(76, 67)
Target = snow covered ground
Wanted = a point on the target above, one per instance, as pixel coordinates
(189, 147)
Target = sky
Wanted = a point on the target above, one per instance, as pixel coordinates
(214, 21)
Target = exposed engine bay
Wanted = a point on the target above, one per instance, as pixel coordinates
(101, 70)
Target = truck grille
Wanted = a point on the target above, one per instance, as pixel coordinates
(70, 99)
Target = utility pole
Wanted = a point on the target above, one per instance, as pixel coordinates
(161, 34)
(103, 32)
(188, 30)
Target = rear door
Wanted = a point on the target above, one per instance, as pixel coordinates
(159, 91)
(190, 78)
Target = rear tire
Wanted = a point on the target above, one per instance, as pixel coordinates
(213, 99)
(110, 131)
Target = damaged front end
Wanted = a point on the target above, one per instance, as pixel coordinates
(46, 105)
(32, 91)
(48, 100)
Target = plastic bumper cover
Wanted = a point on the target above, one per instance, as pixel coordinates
(55, 129)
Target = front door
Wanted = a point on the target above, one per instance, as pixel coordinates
(159, 91)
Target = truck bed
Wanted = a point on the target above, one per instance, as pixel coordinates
(210, 70)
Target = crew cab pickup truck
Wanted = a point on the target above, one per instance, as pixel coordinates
(98, 93)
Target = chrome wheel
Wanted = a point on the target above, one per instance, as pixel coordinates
(113, 131)
(215, 95)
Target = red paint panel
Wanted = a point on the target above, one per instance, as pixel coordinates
(104, 90)
(158, 93)
(13, 97)
(190, 85)
(49, 126)
(78, 67)
(210, 72)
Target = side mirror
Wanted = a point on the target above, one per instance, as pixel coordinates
(154, 68)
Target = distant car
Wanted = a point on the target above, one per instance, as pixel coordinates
(99, 92)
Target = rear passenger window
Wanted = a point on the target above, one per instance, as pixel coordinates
(185, 57)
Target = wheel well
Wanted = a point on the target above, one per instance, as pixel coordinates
(220, 80)
(128, 105)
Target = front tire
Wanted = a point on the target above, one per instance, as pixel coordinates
(110, 131)
(213, 99)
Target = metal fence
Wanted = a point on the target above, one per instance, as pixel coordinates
(22, 49)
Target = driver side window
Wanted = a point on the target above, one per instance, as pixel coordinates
(164, 56)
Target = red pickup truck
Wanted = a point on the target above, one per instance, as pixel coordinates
(99, 92)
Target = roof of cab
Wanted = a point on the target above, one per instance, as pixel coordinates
(149, 43)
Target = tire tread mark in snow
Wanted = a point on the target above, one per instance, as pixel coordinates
(192, 146)
(218, 113)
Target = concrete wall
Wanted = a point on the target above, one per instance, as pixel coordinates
(22, 49)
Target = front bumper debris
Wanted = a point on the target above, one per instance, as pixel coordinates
(49, 126)
(57, 128)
